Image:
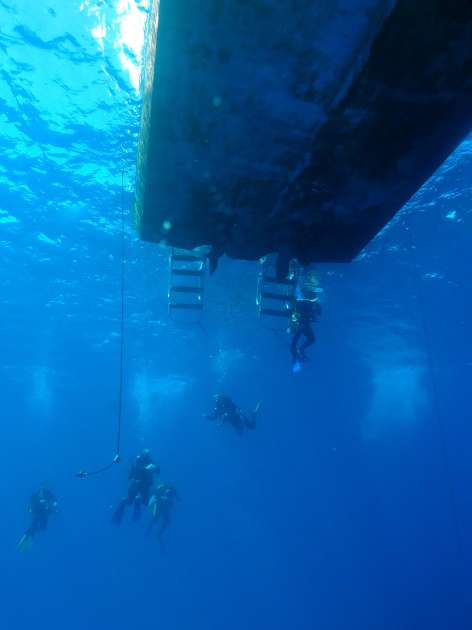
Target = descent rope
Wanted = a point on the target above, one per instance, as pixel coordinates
(117, 458)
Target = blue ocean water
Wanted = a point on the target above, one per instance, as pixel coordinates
(348, 507)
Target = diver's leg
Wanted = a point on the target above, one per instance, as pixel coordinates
(31, 531)
(146, 495)
(309, 339)
(238, 420)
(294, 345)
(120, 511)
(164, 524)
(250, 421)
(153, 522)
(137, 507)
(35, 526)
(42, 522)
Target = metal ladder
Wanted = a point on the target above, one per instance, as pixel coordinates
(187, 272)
(275, 296)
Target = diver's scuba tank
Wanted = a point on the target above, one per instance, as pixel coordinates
(309, 287)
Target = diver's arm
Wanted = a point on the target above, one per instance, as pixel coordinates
(153, 468)
(53, 505)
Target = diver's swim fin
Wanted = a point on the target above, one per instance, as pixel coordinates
(297, 367)
(118, 514)
(25, 543)
(251, 421)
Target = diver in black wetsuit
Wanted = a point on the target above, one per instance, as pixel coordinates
(161, 505)
(139, 489)
(226, 411)
(306, 310)
(41, 505)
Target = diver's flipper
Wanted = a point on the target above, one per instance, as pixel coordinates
(136, 510)
(118, 514)
(152, 505)
(252, 420)
(297, 367)
(25, 543)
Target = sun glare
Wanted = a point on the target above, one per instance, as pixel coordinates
(125, 34)
(132, 24)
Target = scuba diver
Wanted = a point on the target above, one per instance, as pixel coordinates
(225, 410)
(41, 505)
(161, 505)
(139, 490)
(306, 310)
